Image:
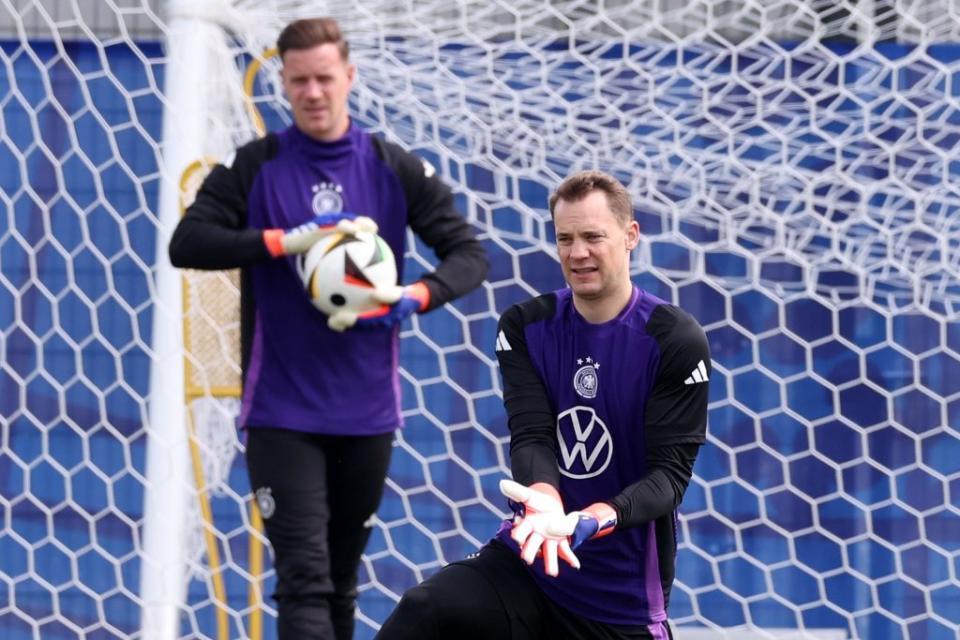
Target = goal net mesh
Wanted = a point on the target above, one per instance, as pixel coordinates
(795, 175)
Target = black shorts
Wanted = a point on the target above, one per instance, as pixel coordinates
(492, 595)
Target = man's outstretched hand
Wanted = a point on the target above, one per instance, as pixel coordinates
(538, 518)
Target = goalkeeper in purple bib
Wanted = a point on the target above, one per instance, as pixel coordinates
(321, 395)
(605, 388)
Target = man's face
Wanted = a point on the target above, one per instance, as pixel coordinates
(594, 247)
(317, 82)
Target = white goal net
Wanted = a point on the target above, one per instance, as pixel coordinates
(795, 173)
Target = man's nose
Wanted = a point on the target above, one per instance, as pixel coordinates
(578, 249)
(312, 89)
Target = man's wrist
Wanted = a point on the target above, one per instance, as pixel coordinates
(605, 515)
(273, 239)
(421, 293)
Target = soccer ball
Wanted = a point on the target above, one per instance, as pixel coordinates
(341, 272)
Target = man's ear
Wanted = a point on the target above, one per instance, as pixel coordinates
(283, 82)
(633, 235)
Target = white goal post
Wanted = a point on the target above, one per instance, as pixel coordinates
(795, 175)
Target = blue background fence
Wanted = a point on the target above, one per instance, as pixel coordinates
(827, 497)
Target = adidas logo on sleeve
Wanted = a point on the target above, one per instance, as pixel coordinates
(699, 374)
(502, 344)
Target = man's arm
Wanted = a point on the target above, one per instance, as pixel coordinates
(675, 423)
(435, 220)
(656, 494)
(213, 234)
(659, 492)
(530, 415)
(534, 492)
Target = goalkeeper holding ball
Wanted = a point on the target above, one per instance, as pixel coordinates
(605, 388)
(319, 407)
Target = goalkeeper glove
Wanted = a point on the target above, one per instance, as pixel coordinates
(538, 512)
(413, 298)
(287, 242)
(594, 521)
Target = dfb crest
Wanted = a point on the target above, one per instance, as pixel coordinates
(586, 380)
(327, 198)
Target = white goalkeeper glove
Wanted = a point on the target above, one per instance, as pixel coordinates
(594, 521)
(538, 518)
(397, 303)
(288, 242)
